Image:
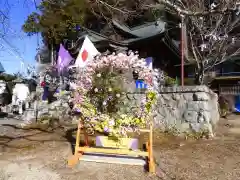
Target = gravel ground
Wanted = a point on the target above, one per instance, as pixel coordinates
(38, 155)
(208, 160)
(48, 162)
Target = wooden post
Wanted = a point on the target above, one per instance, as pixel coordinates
(78, 136)
(74, 159)
(86, 138)
(182, 50)
(150, 149)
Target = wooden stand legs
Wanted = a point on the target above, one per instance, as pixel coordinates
(151, 163)
(75, 158)
(80, 150)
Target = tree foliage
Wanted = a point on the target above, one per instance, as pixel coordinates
(7, 77)
(56, 19)
(212, 26)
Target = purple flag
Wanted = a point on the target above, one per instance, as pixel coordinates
(149, 62)
(64, 58)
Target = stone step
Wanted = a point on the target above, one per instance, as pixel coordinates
(113, 159)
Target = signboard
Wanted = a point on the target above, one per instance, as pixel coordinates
(140, 84)
(237, 104)
(122, 143)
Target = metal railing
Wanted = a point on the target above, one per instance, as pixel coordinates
(229, 90)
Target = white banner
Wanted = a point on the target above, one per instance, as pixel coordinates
(86, 54)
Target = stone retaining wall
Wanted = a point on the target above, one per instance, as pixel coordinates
(186, 109)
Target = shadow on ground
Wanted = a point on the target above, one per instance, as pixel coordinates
(70, 138)
(21, 137)
(3, 114)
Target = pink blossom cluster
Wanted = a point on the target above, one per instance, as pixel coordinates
(124, 62)
(121, 61)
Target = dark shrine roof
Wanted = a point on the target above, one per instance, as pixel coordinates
(136, 35)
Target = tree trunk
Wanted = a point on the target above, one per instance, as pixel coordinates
(52, 54)
(200, 74)
(199, 77)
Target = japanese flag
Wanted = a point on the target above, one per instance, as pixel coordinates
(86, 54)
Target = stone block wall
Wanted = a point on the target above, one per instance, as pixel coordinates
(186, 109)
(181, 109)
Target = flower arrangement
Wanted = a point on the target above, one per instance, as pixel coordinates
(100, 94)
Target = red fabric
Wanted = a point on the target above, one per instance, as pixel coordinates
(84, 55)
(43, 84)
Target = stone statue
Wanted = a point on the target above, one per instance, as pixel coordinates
(20, 97)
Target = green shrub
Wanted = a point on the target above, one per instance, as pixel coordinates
(170, 81)
(224, 106)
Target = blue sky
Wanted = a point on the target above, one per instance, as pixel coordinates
(19, 47)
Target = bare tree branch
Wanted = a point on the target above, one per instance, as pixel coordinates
(178, 6)
(114, 7)
(212, 27)
(213, 37)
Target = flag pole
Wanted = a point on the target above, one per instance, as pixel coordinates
(182, 50)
